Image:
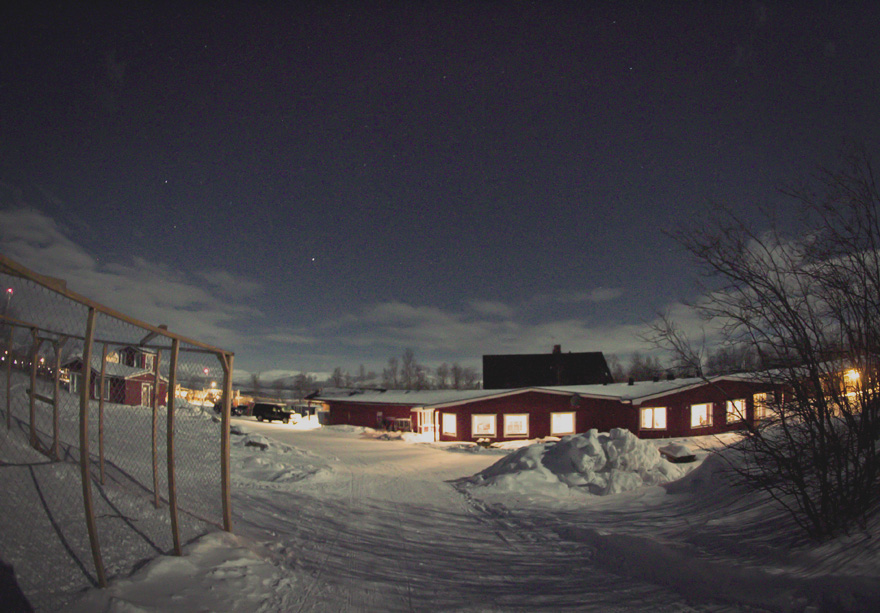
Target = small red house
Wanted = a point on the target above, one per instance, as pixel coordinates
(123, 384)
(650, 409)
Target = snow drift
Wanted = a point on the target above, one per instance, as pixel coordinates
(600, 464)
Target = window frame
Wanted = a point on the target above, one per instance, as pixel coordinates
(653, 426)
(446, 417)
(513, 416)
(573, 415)
(474, 418)
(710, 408)
(739, 412)
(763, 403)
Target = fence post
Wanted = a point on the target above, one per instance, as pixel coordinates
(172, 484)
(9, 379)
(226, 361)
(84, 394)
(57, 392)
(101, 414)
(155, 403)
(33, 390)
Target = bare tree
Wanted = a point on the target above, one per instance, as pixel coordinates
(807, 310)
(338, 377)
(644, 368)
(255, 382)
(390, 378)
(441, 376)
(303, 383)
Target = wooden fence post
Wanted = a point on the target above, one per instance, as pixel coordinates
(227, 362)
(9, 379)
(172, 483)
(57, 392)
(155, 403)
(101, 414)
(33, 390)
(84, 394)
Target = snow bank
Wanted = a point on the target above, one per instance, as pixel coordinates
(258, 461)
(600, 464)
(219, 572)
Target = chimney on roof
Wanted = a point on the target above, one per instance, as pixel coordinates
(557, 348)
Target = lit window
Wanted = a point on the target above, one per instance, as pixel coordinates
(483, 425)
(449, 424)
(762, 405)
(561, 424)
(736, 410)
(516, 425)
(850, 381)
(701, 415)
(148, 361)
(654, 418)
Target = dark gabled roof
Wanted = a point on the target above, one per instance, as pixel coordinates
(543, 369)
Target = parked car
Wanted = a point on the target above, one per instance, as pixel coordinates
(265, 411)
(234, 410)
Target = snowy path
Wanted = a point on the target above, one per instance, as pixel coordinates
(387, 532)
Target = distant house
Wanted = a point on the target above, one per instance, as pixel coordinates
(650, 409)
(123, 384)
(544, 369)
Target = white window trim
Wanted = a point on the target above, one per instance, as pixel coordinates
(735, 410)
(709, 410)
(449, 418)
(653, 410)
(764, 403)
(573, 415)
(518, 434)
(474, 432)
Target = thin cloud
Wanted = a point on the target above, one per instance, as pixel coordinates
(149, 291)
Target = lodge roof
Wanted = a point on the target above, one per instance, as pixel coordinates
(635, 393)
(113, 369)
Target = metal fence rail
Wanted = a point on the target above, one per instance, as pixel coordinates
(110, 448)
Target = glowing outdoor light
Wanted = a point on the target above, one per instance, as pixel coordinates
(852, 375)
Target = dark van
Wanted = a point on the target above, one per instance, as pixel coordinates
(265, 411)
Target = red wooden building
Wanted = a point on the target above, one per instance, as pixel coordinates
(650, 409)
(123, 384)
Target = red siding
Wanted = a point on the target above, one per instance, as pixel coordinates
(599, 413)
(343, 412)
(678, 409)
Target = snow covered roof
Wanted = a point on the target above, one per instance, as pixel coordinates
(114, 369)
(410, 397)
(638, 392)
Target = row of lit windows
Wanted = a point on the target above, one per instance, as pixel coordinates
(654, 418)
(514, 424)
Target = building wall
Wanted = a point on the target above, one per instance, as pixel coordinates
(538, 406)
(370, 415)
(133, 390)
(678, 409)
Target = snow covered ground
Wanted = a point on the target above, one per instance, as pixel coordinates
(347, 519)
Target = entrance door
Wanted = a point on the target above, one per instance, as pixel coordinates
(425, 421)
(146, 394)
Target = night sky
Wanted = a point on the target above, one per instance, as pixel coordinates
(320, 184)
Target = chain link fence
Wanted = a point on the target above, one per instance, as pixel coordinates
(111, 450)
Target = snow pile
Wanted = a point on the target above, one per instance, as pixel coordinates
(219, 572)
(258, 461)
(600, 464)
